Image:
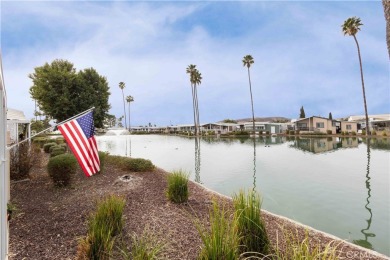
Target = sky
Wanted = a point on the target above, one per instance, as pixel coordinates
(301, 56)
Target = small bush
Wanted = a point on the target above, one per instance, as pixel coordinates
(373, 133)
(241, 133)
(60, 140)
(46, 147)
(329, 132)
(251, 226)
(60, 169)
(292, 132)
(384, 134)
(364, 132)
(267, 132)
(138, 165)
(342, 133)
(353, 133)
(40, 141)
(177, 187)
(56, 151)
(54, 147)
(222, 240)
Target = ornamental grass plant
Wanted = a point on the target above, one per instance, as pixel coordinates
(177, 186)
(295, 248)
(250, 224)
(222, 240)
(105, 223)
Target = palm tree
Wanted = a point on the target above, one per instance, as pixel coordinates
(122, 86)
(129, 99)
(197, 81)
(248, 61)
(191, 70)
(351, 26)
(386, 8)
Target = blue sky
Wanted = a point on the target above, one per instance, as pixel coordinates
(301, 56)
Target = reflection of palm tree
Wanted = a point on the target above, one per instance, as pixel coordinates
(129, 99)
(361, 242)
(197, 160)
(254, 164)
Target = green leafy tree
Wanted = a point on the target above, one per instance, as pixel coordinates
(350, 27)
(61, 92)
(122, 86)
(110, 120)
(39, 125)
(247, 62)
(302, 113)
(129, 99)
(330, 116)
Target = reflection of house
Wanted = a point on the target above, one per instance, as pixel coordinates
(18, 127)
(349, 142)
(272, 128)
(315, 124)
(322, 145)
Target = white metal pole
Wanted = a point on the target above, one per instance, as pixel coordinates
(4, 170)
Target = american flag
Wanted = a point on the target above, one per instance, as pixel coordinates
(79, 134)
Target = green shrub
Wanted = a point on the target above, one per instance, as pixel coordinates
(267, 132)
(373, 132)
(353, 133)
(342, 133)
(60, 169)
(222, 240)
(57, 151)
(54, 147)
(384, 133)
(40, 141)
(46, 147)
(292, 132)
(329, 132)
(138, 165)
(177, 187)
(364, 132)
(241, 133)
(297, 132)
(60, 140)
(251, 226)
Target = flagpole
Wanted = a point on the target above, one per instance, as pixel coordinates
(51, 127)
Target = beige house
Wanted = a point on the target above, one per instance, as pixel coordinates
(347, 126)
(315, 124)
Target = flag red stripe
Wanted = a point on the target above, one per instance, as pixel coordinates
(69, 139)
(84, 145)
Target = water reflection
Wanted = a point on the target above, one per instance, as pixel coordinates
(197, 160)
(365, 231)
(322, 145)
(128, 147)
(254, 164)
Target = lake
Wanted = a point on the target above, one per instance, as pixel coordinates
(336, 185)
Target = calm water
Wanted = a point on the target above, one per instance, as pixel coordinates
(337, 185)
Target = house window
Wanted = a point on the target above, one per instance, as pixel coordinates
(349, 127)
(320, 125)
(302, 125)
(333, 123)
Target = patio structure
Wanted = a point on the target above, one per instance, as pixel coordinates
(18, 126)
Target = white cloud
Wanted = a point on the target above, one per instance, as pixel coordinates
(300, 59)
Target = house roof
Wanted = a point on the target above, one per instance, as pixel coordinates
(16, 116)
(379, 117)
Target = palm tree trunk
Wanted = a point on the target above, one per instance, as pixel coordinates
(129, 117)
(197, 108)
(386, 8)
(364, 92)
(253, 113)
(193, 105)
(124, 108)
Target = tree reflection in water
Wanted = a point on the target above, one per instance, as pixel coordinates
(364, 242)
(197, 159)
